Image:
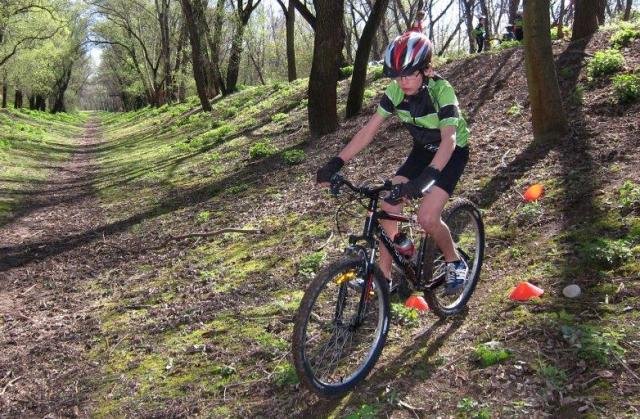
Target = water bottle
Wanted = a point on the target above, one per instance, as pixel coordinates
(404, 245)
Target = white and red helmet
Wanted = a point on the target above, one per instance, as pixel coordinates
(408, 53)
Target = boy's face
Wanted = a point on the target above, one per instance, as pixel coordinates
(410, 84)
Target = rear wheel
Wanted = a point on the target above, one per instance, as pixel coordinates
(341, 327)
(467, 230)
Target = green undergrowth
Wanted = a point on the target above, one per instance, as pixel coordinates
(31, 144)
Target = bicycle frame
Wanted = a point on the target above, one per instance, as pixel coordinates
(372, 228)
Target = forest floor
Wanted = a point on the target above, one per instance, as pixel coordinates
(103, 312)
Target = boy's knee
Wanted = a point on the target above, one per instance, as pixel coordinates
(429, 223)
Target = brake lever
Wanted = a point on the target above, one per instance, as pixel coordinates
(336, 183)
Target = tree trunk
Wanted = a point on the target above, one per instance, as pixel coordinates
(196, 54)
(61, 88)
(234, 59)
(323, 80)
(292, 72)
(627, 10)
(32, 102)
(5, 92)
(17, 102)
(547, 115)
(165, 42)
(487, 25)
(585, 21)
(358, 79)
(41, 104)
(513, 9)
(468, 16)
(560, 20)
(290, 16)
(209, 57)
(601, 11)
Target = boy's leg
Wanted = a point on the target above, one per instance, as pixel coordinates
(430, 218)
(391, 228)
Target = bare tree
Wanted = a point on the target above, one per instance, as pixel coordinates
(547, 115)
(323, 80)
(196, 53)
(290, 18)
(585, 21)
(243, 13)
(358, 79)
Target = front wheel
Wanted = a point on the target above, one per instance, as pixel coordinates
(341, 327)
(467, 231)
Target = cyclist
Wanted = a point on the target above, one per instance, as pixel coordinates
(428, 106)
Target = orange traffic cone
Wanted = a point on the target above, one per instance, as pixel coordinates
(417, 302)
(525, 291)
(533, 192)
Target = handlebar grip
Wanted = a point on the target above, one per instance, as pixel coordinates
(336, 182)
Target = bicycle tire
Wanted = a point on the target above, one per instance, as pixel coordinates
(433, 259)
(310, 369)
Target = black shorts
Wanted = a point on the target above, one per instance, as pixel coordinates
(419, 159)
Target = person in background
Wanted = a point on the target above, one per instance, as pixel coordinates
(480, 32)
(518, 26)
(509, 35)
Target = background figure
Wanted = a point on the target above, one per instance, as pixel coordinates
(517, 27)
(480, 32)
(509, 35)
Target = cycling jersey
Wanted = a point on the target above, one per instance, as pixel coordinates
(434, 106)
(479, 31)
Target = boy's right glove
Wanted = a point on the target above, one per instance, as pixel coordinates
(332, 167)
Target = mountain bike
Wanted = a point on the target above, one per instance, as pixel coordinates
(343, 318)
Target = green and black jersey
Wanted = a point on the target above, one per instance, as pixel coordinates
(433, 107)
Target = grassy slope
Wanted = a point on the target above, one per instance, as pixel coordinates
(32, 143)
(203, 325)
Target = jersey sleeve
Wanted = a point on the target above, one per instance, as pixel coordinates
(449, 113)
(392, 96)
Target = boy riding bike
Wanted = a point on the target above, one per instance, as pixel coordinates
(428, 106)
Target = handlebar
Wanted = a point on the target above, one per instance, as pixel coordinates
(337, 181)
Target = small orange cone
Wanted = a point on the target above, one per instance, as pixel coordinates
(533, 192)
(417, 302)
(525, 291)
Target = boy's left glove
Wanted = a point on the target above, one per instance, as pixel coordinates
(415, 188)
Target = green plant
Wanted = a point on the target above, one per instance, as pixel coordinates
(285, 375)
(377, 71)
(565, 72)
(629, 194)
(509, 44)
(577, 95)
(624, 35)
(566, 33)
(309, 264)
(487, 354)
(603, 253)
(262, 149)
(556, 376)
(627, 87)
(366, 411)
(279, 117)
(346, 72)
(605, 62)
(295, 156)
(468, 407)
(529, 213)
(515, 110)
(592, 343)
(404, 315)
(203, 216)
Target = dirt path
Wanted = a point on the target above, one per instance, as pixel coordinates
(45, 325)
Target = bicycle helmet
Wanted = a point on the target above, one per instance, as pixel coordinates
(406, 54)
